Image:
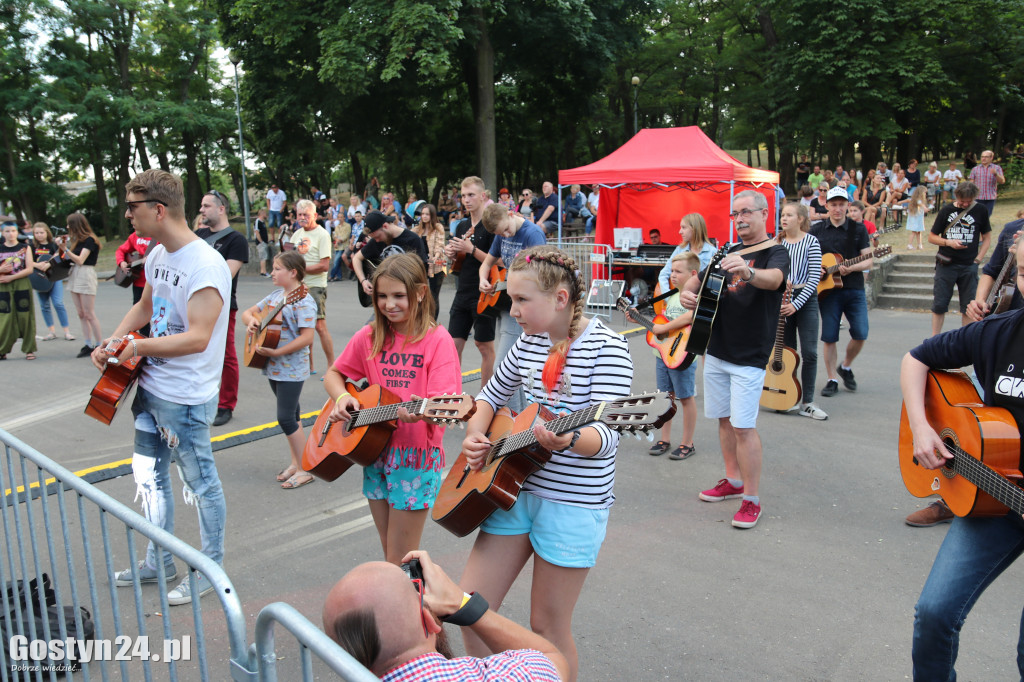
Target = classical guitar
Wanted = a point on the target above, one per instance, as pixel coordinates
(984, 442)
(497, 301)
(269, 333)
(1001, 295)
(468, 497)
(671, 347)
(781, 387)
(831, 262)
(333, 447)
(115, 383)
(365, 299)
(126, 279)
(708, 296)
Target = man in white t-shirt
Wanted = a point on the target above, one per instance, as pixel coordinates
(951, 179)
(313, 242)
(185, 301)
(275, 206)
(592, 202)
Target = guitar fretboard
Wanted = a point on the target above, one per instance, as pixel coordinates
(383, 413)
(987, 479)
(853, 261)
(525, 439)
(1003, 279)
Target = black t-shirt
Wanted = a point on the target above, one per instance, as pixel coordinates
(914, 177)
(43, 252)
(94, 250)
(817, 207)
(803, 174)
(232, 247)
(469, 276)
(261, 227)
(541, 205)
(407, 242)
(969, 230)
(17, 253)
(848, 240)
(745, 326)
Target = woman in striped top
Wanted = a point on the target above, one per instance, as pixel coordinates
(565, 362)
(802, 313)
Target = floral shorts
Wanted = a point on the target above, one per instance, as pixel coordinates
(408, 480)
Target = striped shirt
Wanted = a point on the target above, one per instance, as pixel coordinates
(985, 179)
(804, 268)
(598, 367)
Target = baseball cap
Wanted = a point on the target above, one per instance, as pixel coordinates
(837, 193)
(374, 220)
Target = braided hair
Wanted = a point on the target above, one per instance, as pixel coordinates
(552, 267)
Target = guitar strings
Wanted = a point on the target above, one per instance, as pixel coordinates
(1004, 491)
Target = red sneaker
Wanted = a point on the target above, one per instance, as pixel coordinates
(747, 516)
(723, 491)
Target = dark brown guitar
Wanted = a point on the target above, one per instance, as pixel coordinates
(333, 447)
(1003, 289)
(468, 497)
(269, 333)
(135, 265)
(984, 442)
(115, 384)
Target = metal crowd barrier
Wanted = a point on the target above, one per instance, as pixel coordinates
(50, 519)
(595, 262)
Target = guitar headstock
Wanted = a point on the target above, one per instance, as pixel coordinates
(881, 251)
(623, 304)
(638, 414)
(296, 295)
(719, 256)
(449, 409)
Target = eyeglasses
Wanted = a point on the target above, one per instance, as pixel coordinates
(131, 204)
(743, 213)
(417, 585)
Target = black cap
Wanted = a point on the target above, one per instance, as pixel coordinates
(374, 220)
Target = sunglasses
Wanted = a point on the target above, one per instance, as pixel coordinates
(220, 197)
(132, 204)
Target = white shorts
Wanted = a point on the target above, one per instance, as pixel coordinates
(732, 391)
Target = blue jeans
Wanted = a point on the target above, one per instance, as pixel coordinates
(854, 304)
(338, 268)
(273, 218)
(509, 333)
(56, 296)
(975, 552)
(989, 204)
(166, 431)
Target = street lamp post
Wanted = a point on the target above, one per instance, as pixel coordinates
(241, 146)
(636, 94)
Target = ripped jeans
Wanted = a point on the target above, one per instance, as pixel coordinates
(166, 431)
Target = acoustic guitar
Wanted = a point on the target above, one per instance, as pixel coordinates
(831, 262)
(1001, 295)
(781, 387)
(115, 384)
(269, 333)
(468, 497)
(671, 347)
(497, 301)
(60, 268)
(708, 296)
(333, 447)
(135, 265)
(985, 444)
(365, 299)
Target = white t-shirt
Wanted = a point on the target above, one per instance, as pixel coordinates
(175, 277)
(275, 200)
(313, 245)
(593, 200)
(351, 212)
(953, 176)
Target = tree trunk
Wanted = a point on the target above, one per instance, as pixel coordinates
(140, 147)
(193, 192)
(124, 153)
(161, 154)
(357, 173)
(486, 146)
(101, 191)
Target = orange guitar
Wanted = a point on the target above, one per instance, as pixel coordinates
(269, 333)
(984, 442)
(831, 262)
(496, 301)
(115, 384)
(468, 497)
(781, 387)
(333, 447)
(671, 347)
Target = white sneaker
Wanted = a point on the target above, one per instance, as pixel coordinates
(813, 411)
(182, 594)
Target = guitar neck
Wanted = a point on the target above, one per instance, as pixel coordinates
(1002, 280)
(644, 322)
(849, 262)
(383, 413)
(569, 422)
(780, 339)
(986, 478)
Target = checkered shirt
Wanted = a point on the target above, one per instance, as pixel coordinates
(985, 180)
(523, 665)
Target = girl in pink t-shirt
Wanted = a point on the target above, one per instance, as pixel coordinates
(406, 352)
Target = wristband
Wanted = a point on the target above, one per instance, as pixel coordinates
(472, 610)
(751, 275)
(338, 399)
(135, 349)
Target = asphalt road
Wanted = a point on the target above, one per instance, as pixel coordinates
(822, 589)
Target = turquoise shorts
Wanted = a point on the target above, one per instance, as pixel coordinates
(561, 534)
(405, 487)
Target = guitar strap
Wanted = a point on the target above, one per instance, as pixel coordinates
(662, 297)
(760, 246)
(215, 237)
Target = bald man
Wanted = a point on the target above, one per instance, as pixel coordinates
(385, 624)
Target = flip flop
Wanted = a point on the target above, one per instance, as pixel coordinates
(659, 448)
(293, 484)
(30, 356)
(683, 452)
(281, 475)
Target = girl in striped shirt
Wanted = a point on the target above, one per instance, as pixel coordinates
(565, 362)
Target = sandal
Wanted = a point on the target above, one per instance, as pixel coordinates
(283, 475)
(659, 448)
(49, 337)
(683, 452)
(294, 482)
(30, 356)
(69, 337)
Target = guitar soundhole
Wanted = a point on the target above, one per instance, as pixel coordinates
(777, 367)
(952, 446)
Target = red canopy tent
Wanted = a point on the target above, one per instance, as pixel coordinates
(662, 174)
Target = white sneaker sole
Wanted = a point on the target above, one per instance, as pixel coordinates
(745, 524)
(710, 498)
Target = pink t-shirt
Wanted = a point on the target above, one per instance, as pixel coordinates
(426, 368)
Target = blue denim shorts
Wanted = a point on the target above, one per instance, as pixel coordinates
(681, 382)
(406, 487)
(850, 302)
(561, 534)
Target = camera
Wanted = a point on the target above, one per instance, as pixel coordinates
(413, 569)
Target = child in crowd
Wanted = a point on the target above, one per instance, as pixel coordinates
(45, 248)
(565, 362)
(916, 208)
(855, 211)
(405, 351)
(287, 365)
(680, 382)
(18, 317)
